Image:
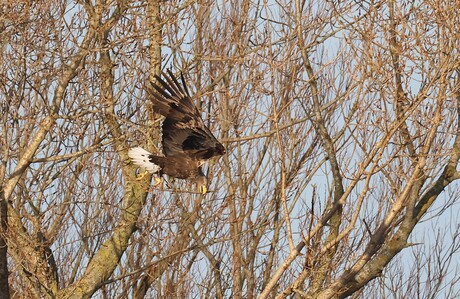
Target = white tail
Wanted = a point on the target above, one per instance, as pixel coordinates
(140, 157)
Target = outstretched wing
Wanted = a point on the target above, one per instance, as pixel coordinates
(184, 132)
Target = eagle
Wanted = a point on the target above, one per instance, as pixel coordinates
(187, 143)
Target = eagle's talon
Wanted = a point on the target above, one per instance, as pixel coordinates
(157, 181)
(142, 175)
(203, 189)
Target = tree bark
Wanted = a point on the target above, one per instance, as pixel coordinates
(4, 272)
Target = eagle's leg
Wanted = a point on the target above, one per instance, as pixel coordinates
(142, 175)
(203, 189)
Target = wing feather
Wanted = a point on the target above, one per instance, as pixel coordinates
(184, 132)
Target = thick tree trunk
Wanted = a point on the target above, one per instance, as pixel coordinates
(4, 286)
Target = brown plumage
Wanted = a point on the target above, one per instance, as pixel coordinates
(186, 141)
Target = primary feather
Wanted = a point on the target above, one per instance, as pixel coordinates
(183, 130)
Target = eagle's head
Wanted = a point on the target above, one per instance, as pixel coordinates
(220, 149)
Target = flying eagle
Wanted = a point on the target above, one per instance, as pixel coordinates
(187, 142)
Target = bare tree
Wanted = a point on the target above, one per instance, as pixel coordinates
(341, 123)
